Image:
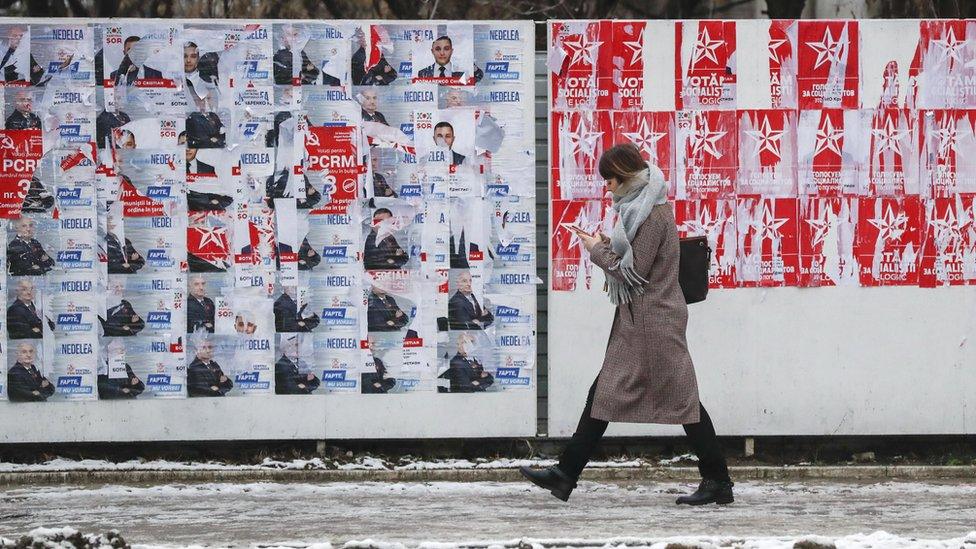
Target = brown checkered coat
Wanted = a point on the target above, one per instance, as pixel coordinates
(647, 374)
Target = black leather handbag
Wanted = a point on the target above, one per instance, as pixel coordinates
(696, 257)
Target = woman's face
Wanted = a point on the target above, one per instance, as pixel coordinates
(612, 184)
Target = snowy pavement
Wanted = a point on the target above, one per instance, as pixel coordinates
(769, 514)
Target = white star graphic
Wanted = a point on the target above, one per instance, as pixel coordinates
(820, 226)
(773, 49)
(947, 228)
(889, 137)
(946, 135)
(828, 49)
(768, 226)
(636, 47)
(828, 138)
(645, 138)
(705, 48)
(582, 48)
(951, 47)
(767, 137)
(703, 225)
(704, 138)
(890, 226)
(211, 236)
(582, 140)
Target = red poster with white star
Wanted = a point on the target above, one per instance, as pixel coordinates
(831, 155)
(653, 134)
(705, 154)
(828, 69)
(888, 239)
(714, 219)
(767, 245)
(578, 141)
(782, 63)
(571, 266)
(943, 66)
(948, 163)
(948, 256)
(767, 152)
(704, 64)
(574, 55)
(622, 87)
(827, 233)
(894, 153)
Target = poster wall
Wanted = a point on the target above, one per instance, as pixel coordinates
(296, 208)
(805, 153)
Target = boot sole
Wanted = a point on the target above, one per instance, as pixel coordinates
(559, 495)
(722, 501)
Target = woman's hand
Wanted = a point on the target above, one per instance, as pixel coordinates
(589, 240)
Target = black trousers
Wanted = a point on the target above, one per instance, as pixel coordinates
(711, 458)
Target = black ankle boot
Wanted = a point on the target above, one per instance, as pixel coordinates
(552, 479)
(709, 491)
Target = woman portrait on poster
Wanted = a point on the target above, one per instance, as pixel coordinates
(647, 374)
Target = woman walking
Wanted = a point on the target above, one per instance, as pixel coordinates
(647, 374)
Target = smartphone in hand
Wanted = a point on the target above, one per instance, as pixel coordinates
(578, 229)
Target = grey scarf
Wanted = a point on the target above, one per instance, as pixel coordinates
(633, 202)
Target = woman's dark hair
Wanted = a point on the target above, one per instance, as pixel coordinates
(621, 162)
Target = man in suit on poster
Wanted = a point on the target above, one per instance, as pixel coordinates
(443, 50)
(24, 382)
(23, 117)
(25, 255)
(369, 100)
(128, 72)
(444, 137)
(464, 312)
(200, 309)
(8, 64)
(288, 316)
(106, 122)
(376, 382)
(289, 380)
(121, 319)
(204, 378)
(23, 320)
(383, 314)
(466, 374)
(122, 259)
(383, 253)
(120, 388)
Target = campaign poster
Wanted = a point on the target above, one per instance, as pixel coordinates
(74, 367)
(513, 231)
(894, 153)
(888, 240)
(948, 161)
(832, 154)
(828, 74)
(767, 153)
(64, 53)
(714, 219)
(767, 251)
(393, 300)
(571, 266)
(705, 65)
(578, 139)
(295, 370)
(17, 67)
(141, 54)
(942, 62)
(654, 134)
(574, 54)
(444, 54)
(767, 68)
(948, 245)
(705, 154)
(828, 241)
(20, 152)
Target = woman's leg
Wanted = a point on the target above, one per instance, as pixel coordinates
(587, 437)
(711, 458)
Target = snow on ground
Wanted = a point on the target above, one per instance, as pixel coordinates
(437, 515)
(361, 463)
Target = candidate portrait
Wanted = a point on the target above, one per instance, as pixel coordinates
(464, 310)
(443, 66)
(24, 381)
(23, 314)
(381, 250)
(204, 377)
(25, 254)
(128, 71)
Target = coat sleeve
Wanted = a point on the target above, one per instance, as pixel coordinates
(20, 387)
(646, 244)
